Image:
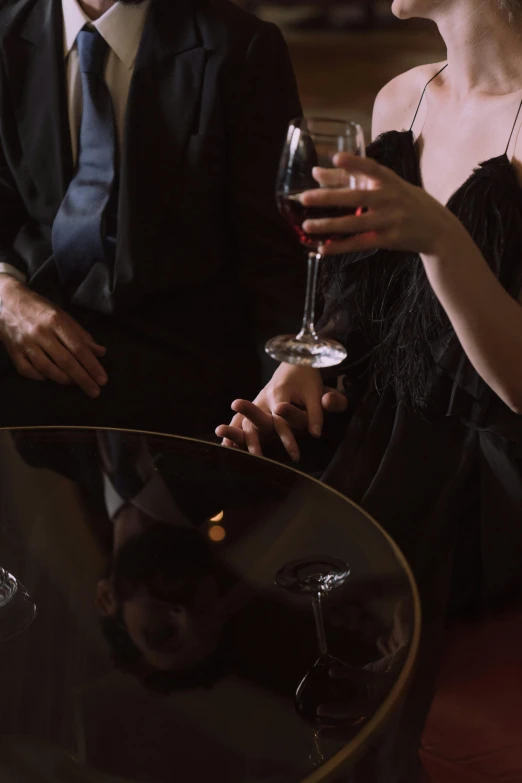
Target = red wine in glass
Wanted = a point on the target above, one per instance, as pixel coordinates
(296, 214)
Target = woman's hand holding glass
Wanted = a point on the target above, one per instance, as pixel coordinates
(399, 215)
(294, 400)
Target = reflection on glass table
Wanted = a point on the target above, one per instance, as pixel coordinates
(163, 645)
(317, 577)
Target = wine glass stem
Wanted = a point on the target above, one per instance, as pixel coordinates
(308, 329)
(319, 622)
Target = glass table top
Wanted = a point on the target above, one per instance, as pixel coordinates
(171, 610)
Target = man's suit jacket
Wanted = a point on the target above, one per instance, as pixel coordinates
(204, 262)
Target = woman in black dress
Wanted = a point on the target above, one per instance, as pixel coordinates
(427, 302)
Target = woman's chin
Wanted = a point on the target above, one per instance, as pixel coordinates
(403, 9)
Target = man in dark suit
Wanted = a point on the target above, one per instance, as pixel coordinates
(142, 257)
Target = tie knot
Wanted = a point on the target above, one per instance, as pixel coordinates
(92, 51)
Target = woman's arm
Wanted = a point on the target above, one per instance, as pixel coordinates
(486, 319)
(401, 216)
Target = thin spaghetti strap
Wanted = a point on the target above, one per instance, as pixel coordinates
(513, 128)
(422, 96)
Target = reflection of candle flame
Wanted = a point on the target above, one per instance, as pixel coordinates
(218, 517)
(217, 533)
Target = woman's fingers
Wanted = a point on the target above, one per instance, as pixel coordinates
(315, 414)
(236, 423)
(287, 438)
(258, 417)
(334, 402)
(357, 164)
(232, 436)
(344, 197)
(296, 418)
(252, 441)
(352, 224)
(372, 240)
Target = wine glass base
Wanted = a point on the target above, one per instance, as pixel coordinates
(311, 575)
(17, 612)
(307, 352)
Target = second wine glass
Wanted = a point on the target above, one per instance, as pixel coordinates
(313, 142)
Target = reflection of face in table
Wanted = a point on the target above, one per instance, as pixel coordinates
(171, 604)
(222, 676)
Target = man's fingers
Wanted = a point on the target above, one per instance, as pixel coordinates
(69, 365)
(334, 402)
(296, 418)
(232, 436)
(259, 418)
(83, 353)
(24, 367)
(99, 350)
(45, 367)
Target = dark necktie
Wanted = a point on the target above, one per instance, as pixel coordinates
(81, 234)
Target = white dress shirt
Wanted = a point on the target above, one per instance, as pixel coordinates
(121, 27)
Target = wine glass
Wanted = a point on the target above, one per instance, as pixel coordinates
(17, 609)
(313, 142)
(317, 576)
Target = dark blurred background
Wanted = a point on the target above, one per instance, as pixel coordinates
(344, 51)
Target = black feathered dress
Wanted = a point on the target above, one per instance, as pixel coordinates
(444, 480)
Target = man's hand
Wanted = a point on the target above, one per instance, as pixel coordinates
(43, 341)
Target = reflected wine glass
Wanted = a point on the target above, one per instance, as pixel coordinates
(313, 142)
(317, 576)
(17, 609)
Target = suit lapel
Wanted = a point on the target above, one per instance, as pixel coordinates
(162, 111)
(36, 76)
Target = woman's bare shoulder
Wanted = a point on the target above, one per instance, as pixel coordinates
(396, 103)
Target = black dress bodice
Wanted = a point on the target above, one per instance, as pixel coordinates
(446, 479)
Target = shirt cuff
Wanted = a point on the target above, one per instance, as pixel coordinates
(154, 499)
(7, 269)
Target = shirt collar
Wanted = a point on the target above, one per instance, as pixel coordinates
(121, 27)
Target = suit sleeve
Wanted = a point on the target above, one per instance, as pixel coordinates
(12, 217)
(272, 265)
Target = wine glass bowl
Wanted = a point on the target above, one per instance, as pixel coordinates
(313, 142)
(318, 688)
